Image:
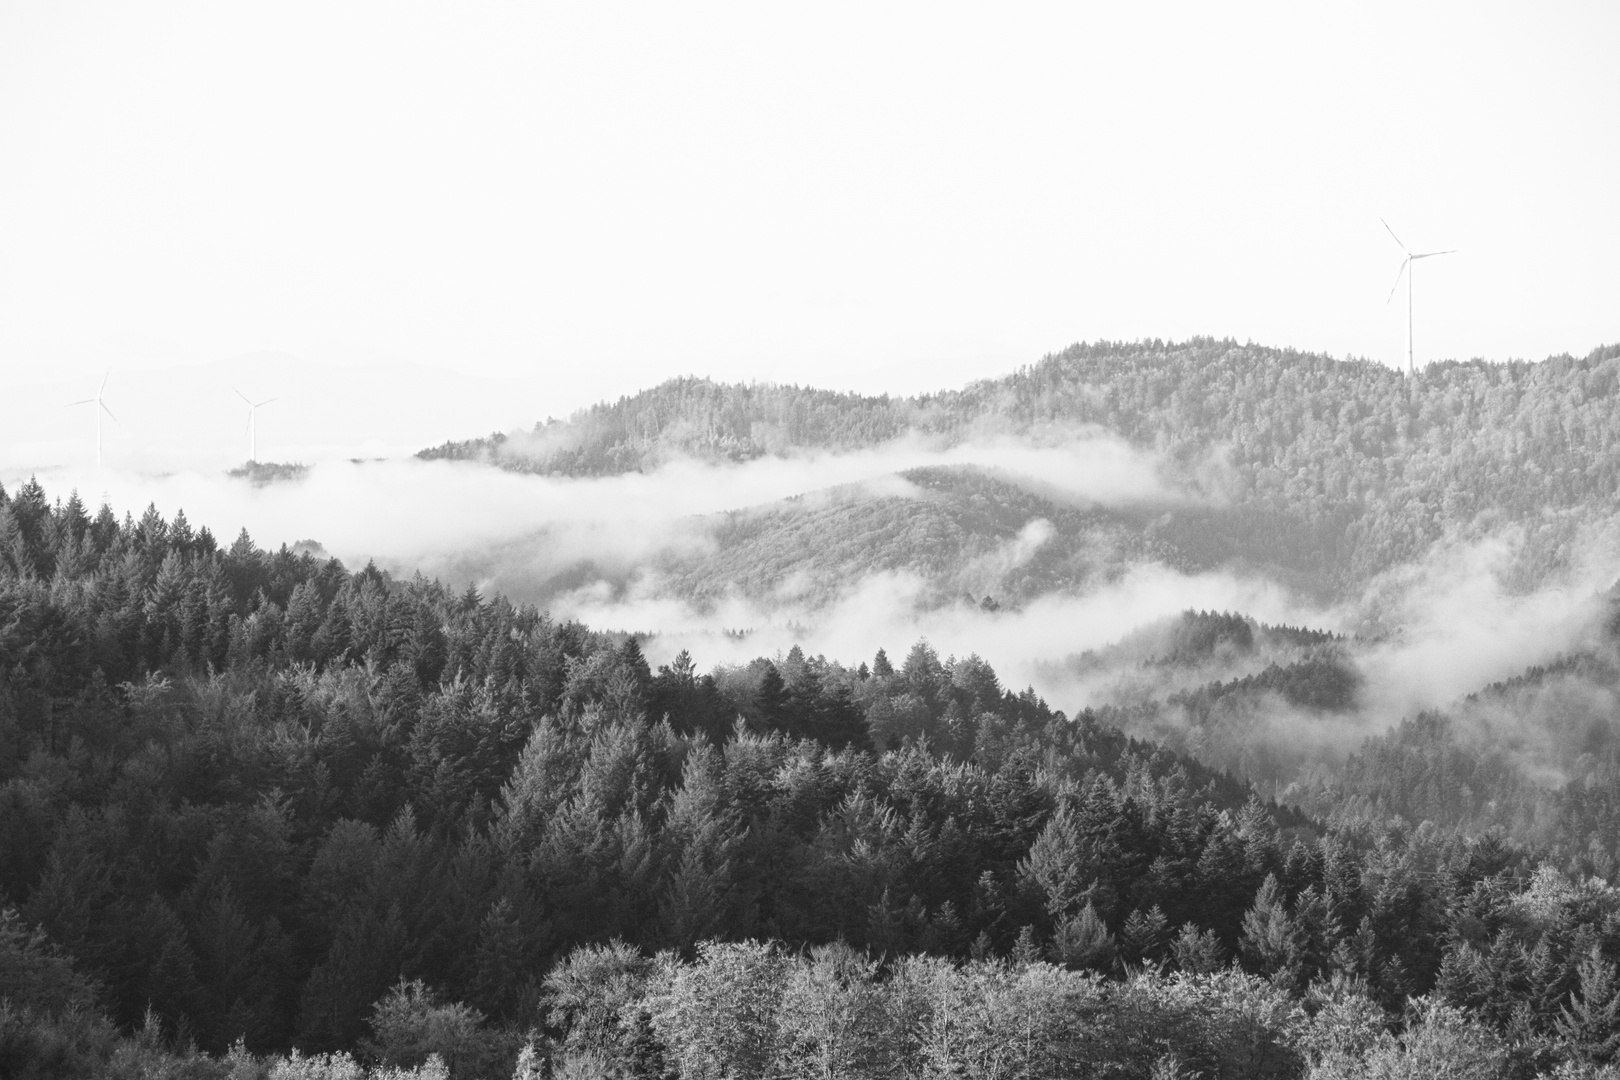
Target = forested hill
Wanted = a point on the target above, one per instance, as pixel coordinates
(1395, 462)
(255, 804)
(247, 791)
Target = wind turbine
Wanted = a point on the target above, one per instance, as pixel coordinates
(1406, 268)
(101, 407)
(253, 423)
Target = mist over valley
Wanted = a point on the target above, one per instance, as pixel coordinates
(1073, 675)
(545, 541)
(1428, 537)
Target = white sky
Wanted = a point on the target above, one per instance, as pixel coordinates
(572, 201)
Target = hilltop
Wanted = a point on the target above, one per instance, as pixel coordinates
(1339, 469)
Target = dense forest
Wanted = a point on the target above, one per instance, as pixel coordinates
(1536, 756)
(265, 815)
(1340, 468)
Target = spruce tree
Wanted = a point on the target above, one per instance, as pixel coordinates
(1591, 1021)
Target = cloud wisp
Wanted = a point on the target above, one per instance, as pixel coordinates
(1419, 637)
(431, 514)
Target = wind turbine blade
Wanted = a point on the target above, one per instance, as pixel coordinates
(247, 427)
(1398, 275)
(109, 412)
(241, 395)
(1392, 233)
(1427, 254)
(86, 401)
(267, 401)
(104, 379)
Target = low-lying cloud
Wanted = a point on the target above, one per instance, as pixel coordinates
(888, 611)
(434, 515)
(1421, 636)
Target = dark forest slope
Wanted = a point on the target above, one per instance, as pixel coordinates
(255, 796)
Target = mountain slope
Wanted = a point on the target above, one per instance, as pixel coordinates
(1384, 464)
(966, 531)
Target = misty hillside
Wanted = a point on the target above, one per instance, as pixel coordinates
(1348, 450)
(962, 532)
(1535, 756)
(973, 534)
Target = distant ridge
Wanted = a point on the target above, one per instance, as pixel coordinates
(1143, 391)
(1389, 464)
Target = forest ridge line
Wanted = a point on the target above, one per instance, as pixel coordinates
(1354, 464)
(1130, 388)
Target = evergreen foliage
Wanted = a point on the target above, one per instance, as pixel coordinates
(253, 799)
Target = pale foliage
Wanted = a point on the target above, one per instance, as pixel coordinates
(338, 1066)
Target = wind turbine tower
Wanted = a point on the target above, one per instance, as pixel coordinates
(253, 423)
(1406, 268)
(101, 407)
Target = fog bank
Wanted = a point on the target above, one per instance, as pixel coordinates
(1418, 637)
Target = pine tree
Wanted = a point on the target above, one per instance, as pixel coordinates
(241, 970)
(1197, 951)
(1145, 935)
(104, 529)
(1591, 1020)
(1083, 941)
(546, 773)
(34, 972)
(365, 959)
(703, 836)
(1271, 943)
(15, 557)
(168, 981)
(1027, 949)
(771, 700)
(181, 537)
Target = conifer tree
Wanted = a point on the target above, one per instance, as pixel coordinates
(1145, 936)
(1271, 943)
(1590, 1022)
(1082, 941)
(771, 700)
(1197, 951)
